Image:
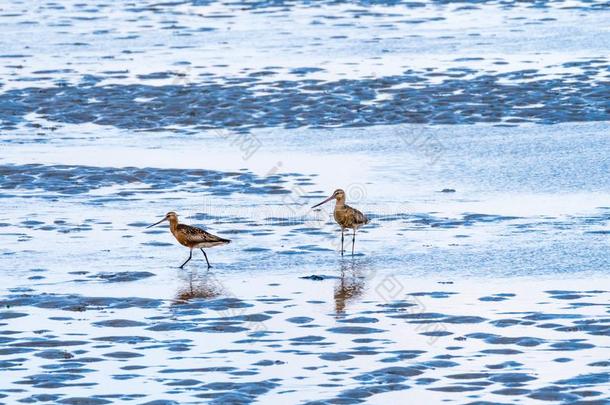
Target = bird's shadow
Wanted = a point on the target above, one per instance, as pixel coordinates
(204, 285)
(351, 285)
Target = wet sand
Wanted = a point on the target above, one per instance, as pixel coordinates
(457, 295)
(352, 337)
(481, 278)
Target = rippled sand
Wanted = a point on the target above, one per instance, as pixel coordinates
(351, 337)
(481, 278)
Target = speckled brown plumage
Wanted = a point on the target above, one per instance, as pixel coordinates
(346, 216)
(191, 236)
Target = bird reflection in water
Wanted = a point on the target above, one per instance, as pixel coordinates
(203, 286)
(350, 285)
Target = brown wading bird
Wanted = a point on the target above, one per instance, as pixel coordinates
(346, 216)
(191, 237)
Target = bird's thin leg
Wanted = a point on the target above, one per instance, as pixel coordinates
(353, 241)
(187, 260)
(206, 258)
(342, 235)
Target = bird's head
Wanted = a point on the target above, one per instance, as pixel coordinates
(338, 195)
(170, 216)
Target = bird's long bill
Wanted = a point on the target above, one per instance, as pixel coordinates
(325, 201)
(157, 223)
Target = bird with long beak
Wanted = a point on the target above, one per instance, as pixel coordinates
(191, 237)
(345, 216)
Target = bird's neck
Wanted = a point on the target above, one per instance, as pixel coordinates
(340, 203)
(173, 224)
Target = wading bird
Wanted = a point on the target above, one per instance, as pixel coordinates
(191, 237)
(345, 216)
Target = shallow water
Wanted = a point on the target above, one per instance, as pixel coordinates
(273, 338)
(482, 277)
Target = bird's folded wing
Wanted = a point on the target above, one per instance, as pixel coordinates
(198, 234)
(359, 217)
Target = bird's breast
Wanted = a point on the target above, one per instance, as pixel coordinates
(342, 217)
(181, 238)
